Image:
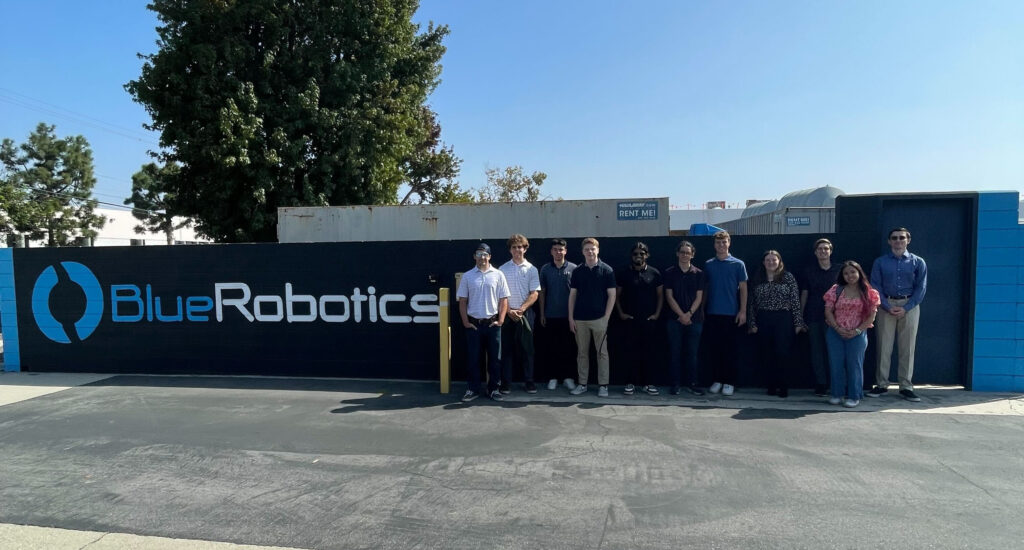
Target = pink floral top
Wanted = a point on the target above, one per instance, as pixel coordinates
(850, 312)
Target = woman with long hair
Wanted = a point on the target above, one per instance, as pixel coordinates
(850, 307)
(775, 318)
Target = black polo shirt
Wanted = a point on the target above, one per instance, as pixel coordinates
(684, 286)
(639, 291)
(816, 281)
(591, 284)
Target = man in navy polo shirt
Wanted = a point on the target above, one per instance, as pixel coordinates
(639, 298)
(483, 303)
(558, 345)
(901, 278)
(726, 312)
(591, 300)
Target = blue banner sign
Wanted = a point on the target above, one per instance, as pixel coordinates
(792, 221)
(637, 210)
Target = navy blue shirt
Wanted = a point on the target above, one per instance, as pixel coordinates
(554, 281)
(724, 278)
(591, 284)
(684, 287)
(816, 281)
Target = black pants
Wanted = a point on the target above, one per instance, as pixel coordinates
(517, 348)
(775, 334)
(723, 336)
(557, 353)
(639, 340)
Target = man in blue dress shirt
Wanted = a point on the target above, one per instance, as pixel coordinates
(901, 278)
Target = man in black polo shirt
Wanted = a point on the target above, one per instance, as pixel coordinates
(591, 299)
(638, 302)
(815, 280)
(684, 295)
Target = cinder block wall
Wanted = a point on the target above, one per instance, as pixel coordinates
(999, 295)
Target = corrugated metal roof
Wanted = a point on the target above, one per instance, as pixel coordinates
(816, 197)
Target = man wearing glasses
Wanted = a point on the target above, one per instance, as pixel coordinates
(901, 279)
(639, 297)
(483, 302)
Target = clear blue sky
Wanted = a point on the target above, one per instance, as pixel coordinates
(696, 101)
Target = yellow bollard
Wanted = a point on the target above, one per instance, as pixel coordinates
(445, 339)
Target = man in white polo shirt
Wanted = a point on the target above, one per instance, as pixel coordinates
(517, 334)
(483, 302)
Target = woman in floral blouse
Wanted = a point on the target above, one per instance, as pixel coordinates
(850, 307)
(775, 317)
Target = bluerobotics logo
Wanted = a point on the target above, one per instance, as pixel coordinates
(90, 319)
(234, 300)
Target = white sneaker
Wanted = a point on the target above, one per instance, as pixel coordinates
(570, 384)
(578, 390)
(602, 391)
(834, 400)
(552, 384)
(851, 403)
(727, 389)
(715, 388)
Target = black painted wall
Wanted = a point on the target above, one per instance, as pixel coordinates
(942, 232)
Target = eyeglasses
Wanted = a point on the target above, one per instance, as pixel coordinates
(898, 238)
(640, 254)
(481, 255)
(685, 251)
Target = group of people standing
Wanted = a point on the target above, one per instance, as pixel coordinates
(835, 304)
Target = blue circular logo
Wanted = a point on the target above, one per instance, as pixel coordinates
(90, 319)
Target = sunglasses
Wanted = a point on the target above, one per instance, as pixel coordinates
(481, 255)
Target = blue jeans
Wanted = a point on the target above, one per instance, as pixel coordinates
(846, 364)
(683, 341)
(475, 340)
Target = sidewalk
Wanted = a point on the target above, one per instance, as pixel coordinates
(19, 386)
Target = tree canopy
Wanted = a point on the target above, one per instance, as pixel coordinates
(152, 203)
(272, 103)
(46, 188)
(511, 184)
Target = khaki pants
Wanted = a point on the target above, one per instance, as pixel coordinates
(902, 332)
(598, 331)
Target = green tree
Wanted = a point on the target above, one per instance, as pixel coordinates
(152, 204)
(274, 103)
(50, 182)
(511, 184)
(429, 171)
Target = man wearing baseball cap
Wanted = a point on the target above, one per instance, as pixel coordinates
(483, 302)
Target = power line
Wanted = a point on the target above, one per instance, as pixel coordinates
(81, 119)
(78, 199)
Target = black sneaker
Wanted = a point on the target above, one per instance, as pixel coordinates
(496, 395)
(505, 389)
(674, 390)
(530, 387)
(470, 395)
(783, 393)
(909, 395)
(877, 391)
(819, 390)
(694, 390)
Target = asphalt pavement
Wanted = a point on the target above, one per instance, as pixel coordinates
(314, 463)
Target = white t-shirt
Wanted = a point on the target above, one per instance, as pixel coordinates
(483, 290)
(522, 280)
